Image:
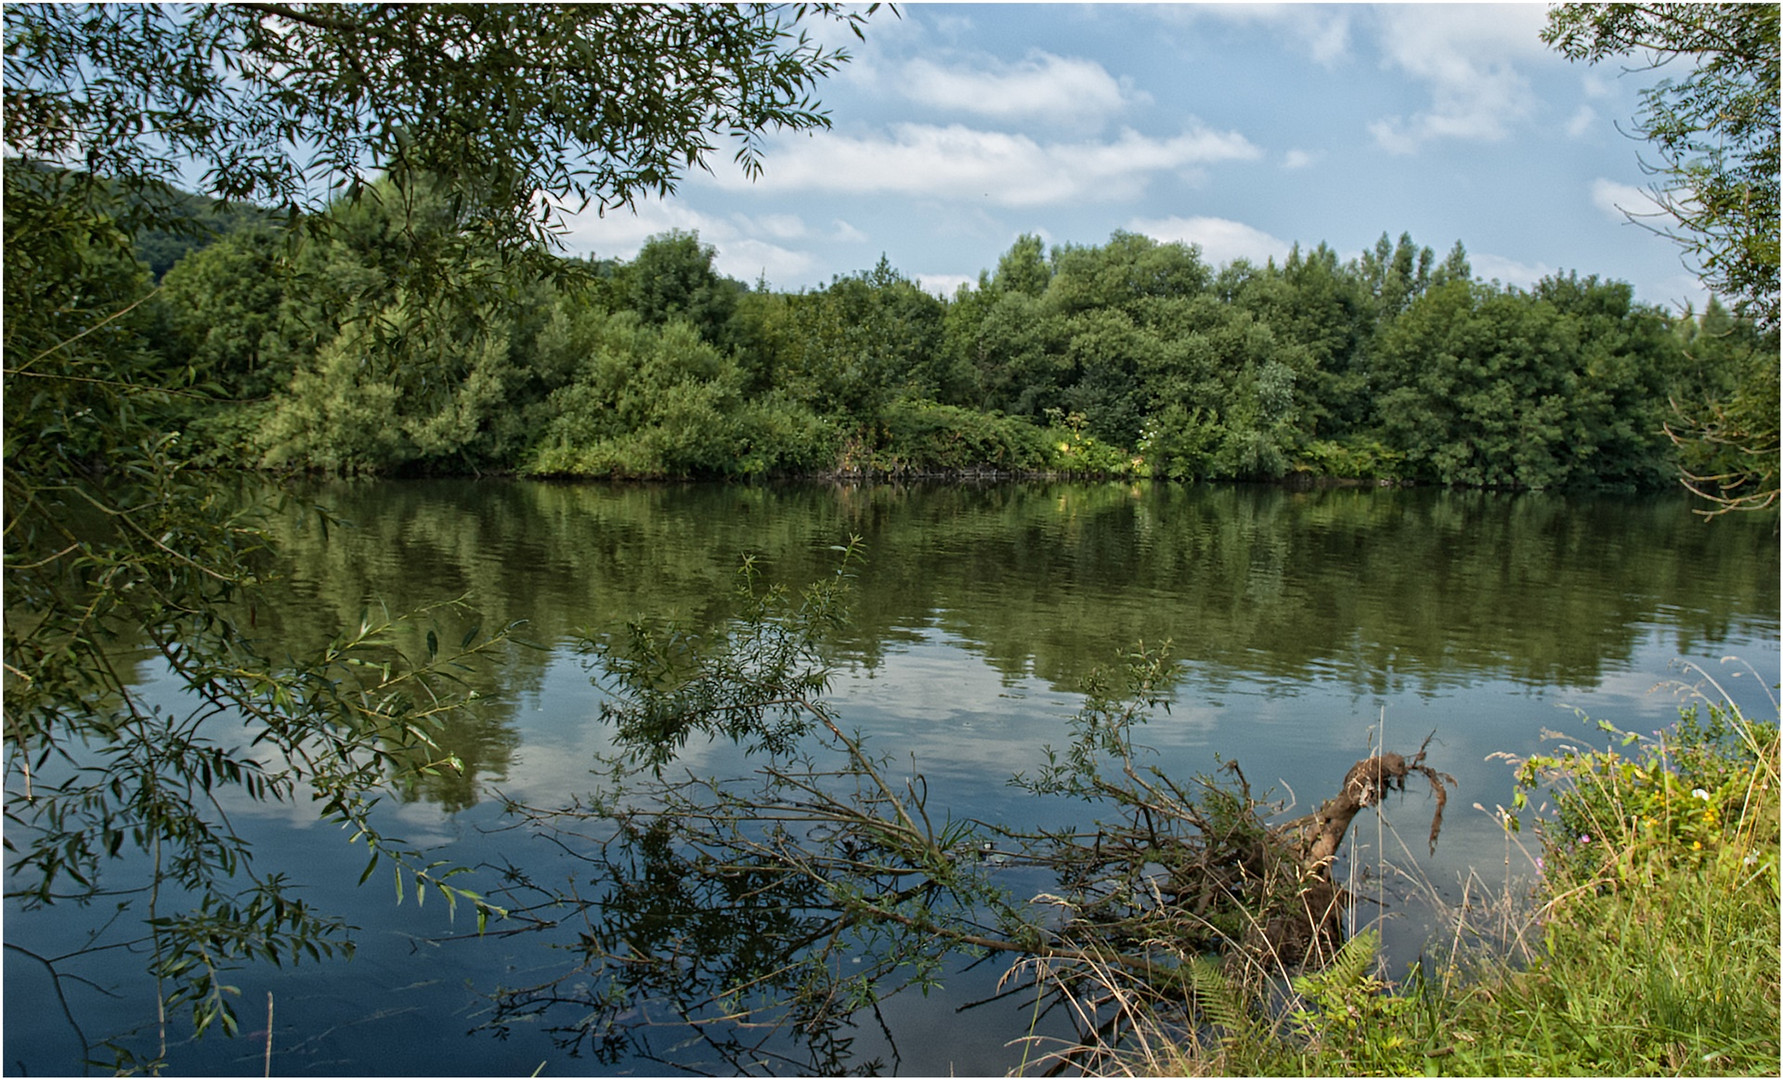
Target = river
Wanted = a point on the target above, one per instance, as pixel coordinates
(1310, 626)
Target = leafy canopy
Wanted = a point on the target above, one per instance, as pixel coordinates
(527, 107)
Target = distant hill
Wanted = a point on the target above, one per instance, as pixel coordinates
(208, 218)
(197, 220)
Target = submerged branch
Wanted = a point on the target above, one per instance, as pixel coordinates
(819, 883)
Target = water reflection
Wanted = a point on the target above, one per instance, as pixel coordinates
(672, 960)
(1301, 616)
(1044, 578)
(1305, 619)
(1383, 592)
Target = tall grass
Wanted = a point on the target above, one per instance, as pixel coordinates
(1659, 912)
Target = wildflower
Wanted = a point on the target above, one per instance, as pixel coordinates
(1700, 793)
(1696, 845)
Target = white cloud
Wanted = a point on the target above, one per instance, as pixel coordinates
(1466, 55)
(1581, 121)
(923, 160)
(844, 232)
(745, 245)
(1324, 34)
(778, 226)
(1598, 85)
(747, 259)
(1298, 159)
(1508, 271)
(1617, 201)
(620, 233)
(1320, 31)
(944, 285)
(951, 26)
(1220, 240)
(1059, 89)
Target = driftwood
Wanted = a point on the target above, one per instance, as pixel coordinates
(1317, 837)
(1323, 831)
(1200, 866)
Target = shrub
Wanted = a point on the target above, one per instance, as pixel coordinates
(1070, 451)
(1688, 795)
(1179, 443)
(923, 436)
(650, 401)
(1656, 942)
(1353, 459)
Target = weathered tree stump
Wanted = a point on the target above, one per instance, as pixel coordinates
(1233, 883)
(1316, 838)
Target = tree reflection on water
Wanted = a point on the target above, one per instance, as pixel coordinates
(765, 914)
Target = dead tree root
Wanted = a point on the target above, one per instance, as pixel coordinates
(1262, 894)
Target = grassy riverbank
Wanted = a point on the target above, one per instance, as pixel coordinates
(1649, 947)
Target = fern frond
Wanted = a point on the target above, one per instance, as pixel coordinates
(1221, 1001)
(1348, 971)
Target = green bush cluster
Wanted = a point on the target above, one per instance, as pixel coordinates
(1358, 458)
(1687, 796)
(1071, 450)
(926, 437)
(645, 401)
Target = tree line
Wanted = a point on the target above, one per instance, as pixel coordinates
(1129, 358)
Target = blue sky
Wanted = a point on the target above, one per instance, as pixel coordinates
(1242, 128)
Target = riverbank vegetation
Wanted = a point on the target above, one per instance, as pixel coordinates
(1649, 946)
(1188, 928)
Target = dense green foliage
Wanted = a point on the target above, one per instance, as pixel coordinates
(402, 332)
(407, 316)
(1132, 358)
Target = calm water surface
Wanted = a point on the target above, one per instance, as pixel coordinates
(1310, 626)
